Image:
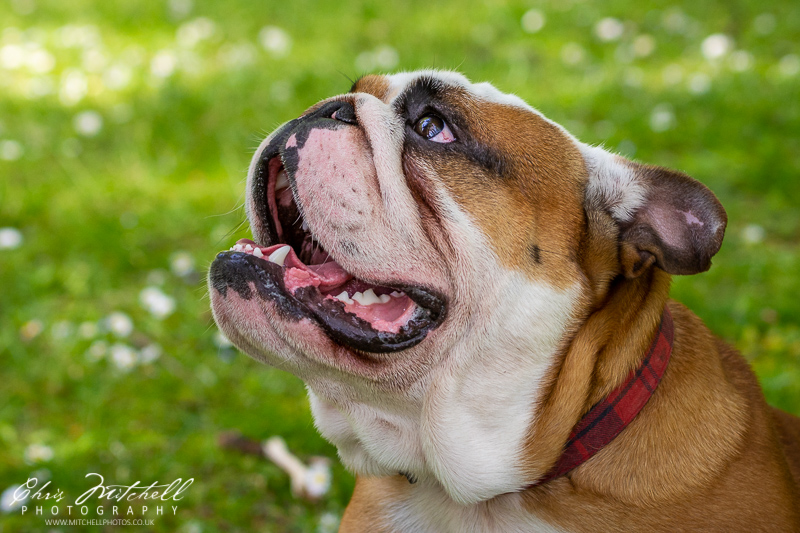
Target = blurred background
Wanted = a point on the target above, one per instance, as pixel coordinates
(126, 129)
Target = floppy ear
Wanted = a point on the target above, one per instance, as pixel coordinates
(664, 217)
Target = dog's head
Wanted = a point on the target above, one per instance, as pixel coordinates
(422, 248)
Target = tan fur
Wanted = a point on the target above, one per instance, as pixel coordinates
(376, 85)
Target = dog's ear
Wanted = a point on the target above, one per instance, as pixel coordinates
(664, 217)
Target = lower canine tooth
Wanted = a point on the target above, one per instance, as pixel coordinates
(279, 255)
(257, 252)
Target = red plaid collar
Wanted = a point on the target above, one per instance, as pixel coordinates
(610, 416)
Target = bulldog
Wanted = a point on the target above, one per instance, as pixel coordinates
(478, 304)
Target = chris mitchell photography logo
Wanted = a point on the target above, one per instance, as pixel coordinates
(101, 504)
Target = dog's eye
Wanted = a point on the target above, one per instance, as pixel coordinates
(434, 129)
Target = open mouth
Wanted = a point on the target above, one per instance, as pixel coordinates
(303, 280)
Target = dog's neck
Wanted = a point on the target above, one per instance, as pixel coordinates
(480, 445)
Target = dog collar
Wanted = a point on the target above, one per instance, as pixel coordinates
(610, 416)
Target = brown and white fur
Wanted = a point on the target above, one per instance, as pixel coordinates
(554, 258)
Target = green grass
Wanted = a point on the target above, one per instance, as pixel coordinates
(103, 215)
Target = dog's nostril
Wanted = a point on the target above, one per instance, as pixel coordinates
(345, 113)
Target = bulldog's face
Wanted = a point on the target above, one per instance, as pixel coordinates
(422, 247)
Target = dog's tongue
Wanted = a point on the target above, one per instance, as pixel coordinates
(326, 275)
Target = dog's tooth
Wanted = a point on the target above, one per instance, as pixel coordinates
(282, 180)
(305, 225)
(279, 255)
(248, 248)
(397, 294)
(373, 298)
(238, 247)
(257, 252)
(367, 298)
(384, 298)
(344, 297)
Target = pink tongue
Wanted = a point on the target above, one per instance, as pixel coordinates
(328, 274)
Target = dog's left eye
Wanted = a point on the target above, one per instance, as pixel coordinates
(433, 128)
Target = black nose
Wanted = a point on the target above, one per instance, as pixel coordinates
(345, 112)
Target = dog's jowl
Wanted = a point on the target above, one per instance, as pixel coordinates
(478, 303)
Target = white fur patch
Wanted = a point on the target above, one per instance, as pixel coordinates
(428, 509)
(613, 186)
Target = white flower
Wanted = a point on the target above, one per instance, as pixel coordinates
(117, 77)
(328, 523)
(10, 238)
(7, 500)
(317, 478)
(789, 65)
(182, 264)
(163, 64)
(644, 45)
(156, 277)
(97, 351)
(74, 86)
(12, 56)
(87, 330)
(180, 8)
(275, 40)
(572, 53)
(61, 329)
(662, 118)
(753, 234)
(609, 29)
(532, 21)
(149, 353)
(699, 83)
(386, 57)
(31, 329)
(88, 123)
(119, 324)
(123, 356)
(41, 61)
(191, 33)
(716, 46)
(38, 453)
(156, 302)
(740, 60)
(11, 150)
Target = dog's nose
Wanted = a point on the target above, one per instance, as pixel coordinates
(345, 113)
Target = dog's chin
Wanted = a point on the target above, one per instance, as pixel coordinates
(298, 279)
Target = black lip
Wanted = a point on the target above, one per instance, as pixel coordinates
(236, 270)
